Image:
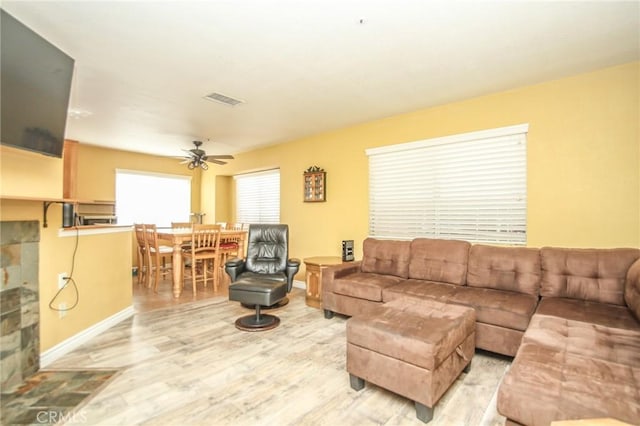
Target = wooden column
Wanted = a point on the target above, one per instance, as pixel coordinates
(70, 169)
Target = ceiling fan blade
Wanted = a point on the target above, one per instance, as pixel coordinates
(220, 157)
(216, 161)
(197, 157)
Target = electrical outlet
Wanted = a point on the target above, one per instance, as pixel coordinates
(62, 310)
(62, 279)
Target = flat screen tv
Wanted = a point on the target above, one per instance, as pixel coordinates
(35, 88)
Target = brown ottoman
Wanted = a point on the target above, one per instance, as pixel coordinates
(415, 348)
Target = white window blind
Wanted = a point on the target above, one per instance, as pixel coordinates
(143, 197)
(258, 197)
(469, 187)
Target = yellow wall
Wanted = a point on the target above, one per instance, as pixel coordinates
(102, 273)
(97, 171)
(28, 174)
(224, 201)
(583, 182)
(583, 163)
(103, 262)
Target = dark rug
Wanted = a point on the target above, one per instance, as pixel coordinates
(52, 396)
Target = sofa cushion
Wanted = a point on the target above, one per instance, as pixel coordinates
(386, 257)
(597, 275)
(632, 289)
(505, 268)
(363, 285)
(546, 384)
(592, 312)
(585, 339)
(497, 307)
(567, 365)
(420, 289)
(439, 260)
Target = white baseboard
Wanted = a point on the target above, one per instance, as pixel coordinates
(299, 284)
(66, 346)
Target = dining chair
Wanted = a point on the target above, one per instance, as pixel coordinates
(140, 251)
(155, 252)
(232, 244)
(205, 248)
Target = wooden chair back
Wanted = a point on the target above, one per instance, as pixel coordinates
(232, 244)
(205, 238)
(205, 246)
(153, 252)
(150, 236)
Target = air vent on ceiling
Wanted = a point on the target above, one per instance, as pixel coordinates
(218, 97)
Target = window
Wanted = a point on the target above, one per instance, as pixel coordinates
(467, 187)
(258, 197)
(152, 198)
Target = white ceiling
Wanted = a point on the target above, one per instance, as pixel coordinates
(303, 67)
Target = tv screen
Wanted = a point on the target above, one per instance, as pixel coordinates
(35, 89)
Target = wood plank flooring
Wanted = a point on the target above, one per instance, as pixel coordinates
(186, 364)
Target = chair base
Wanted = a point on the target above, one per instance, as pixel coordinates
(276, 305)
(254, 323)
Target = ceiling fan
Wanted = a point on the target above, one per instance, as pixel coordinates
(196, 157)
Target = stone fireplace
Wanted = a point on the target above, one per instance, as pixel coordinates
(19, 304)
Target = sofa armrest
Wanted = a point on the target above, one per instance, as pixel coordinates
(632, 289)
(334, 272)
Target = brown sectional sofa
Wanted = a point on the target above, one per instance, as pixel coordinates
(501, 283)
(580, 355)
(569, 316)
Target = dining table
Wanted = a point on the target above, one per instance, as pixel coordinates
(177, 237)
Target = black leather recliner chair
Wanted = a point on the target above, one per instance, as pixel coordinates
(264, 278)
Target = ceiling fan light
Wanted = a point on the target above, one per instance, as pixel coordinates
(198, 158)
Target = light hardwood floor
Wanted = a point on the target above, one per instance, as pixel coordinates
(184, 363)
(146, 299)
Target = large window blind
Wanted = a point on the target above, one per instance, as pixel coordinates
(258, 197)
(469, 187)
(143, 197)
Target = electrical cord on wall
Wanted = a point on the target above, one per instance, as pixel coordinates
(69, 279)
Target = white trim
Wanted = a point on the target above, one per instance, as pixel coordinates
(462, 137)
(145, 173)
(299, 284)
(72, 232)
(258, 173)
(66, 346)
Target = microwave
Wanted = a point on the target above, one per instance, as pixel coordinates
(97, 220)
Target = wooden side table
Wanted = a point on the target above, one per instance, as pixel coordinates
(313, 277)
